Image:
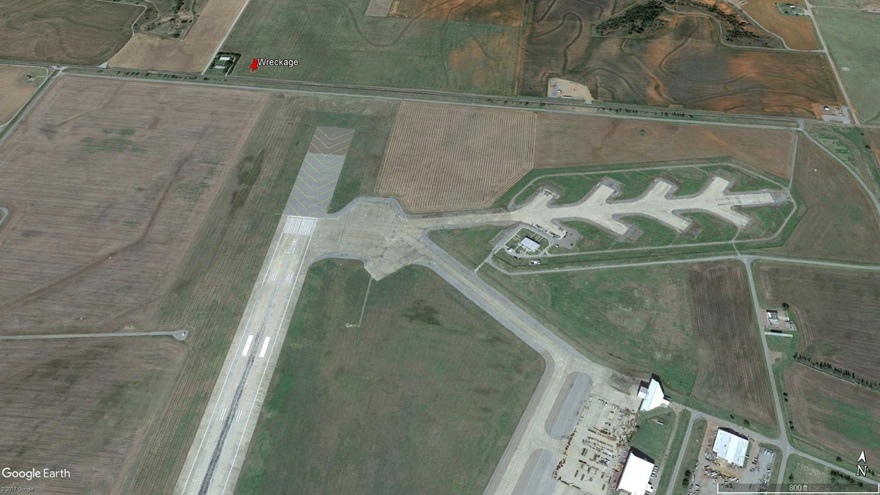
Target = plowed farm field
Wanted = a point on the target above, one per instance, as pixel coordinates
(835, 310)
(505, 12)
(732, 374)
(574, 140)
(66, 31)
(797, 31)
(107, 184)
(840, 223)
(834, 414)
(445, 157)
(82, 405)
(680, 64)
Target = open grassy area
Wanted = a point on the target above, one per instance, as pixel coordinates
(372, 127)
(335, 43)
(653, 432)
(803, 471)
(635, 320)
(850, 145)
(422, 397)
(852, 36)
(470, 246)
(691, 458)
(675, 447)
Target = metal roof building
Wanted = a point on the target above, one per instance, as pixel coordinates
(652, 396)
(731, 447)
(636, 476)
(529, 244)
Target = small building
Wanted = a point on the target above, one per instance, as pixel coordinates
(652, 395)
(636, 476)
(731, 447)
(773, 317)
(529, 245)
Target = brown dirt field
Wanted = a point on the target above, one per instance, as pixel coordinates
(835, 310)
(191, 54)
(65, 31)
(731, 367)
(445, 157)
(15, 90)
(834, 414)
(82, 405)
(503, 12)
(571, 140)
(796, 31)
(683, 64)
(107, 183)
(840, 223)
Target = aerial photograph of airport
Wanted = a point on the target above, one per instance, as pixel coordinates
(439, 247)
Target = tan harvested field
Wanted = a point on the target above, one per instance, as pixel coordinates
(840, 223)
(193, 52)
(731, 373)
(572, 140)
(66, 31)
(797, 31)
(16, 89)
(82, 405)
(107, 183)
(446, 157)
(505, 12)
(836, 313)
(831, 413)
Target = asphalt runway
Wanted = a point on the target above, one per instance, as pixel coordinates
(216, 456)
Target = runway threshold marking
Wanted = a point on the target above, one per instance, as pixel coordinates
(265, 346)
(247, 345)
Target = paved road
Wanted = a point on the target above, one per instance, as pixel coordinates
(177, 334)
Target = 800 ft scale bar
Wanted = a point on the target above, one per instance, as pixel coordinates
(801, 489)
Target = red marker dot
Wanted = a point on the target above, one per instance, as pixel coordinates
(254, 65)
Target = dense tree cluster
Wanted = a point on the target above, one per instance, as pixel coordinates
(835, 371)
(636, 20)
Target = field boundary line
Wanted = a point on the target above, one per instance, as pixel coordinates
(225, 36)
(178, 334)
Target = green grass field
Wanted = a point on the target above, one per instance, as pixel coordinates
(652, 437)
(336, 43)
(691, 456)
(470, 246)
(635, 320)
(667, 475)
(803, 471)
(852, 37)
(422, 397)
(364, 158)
